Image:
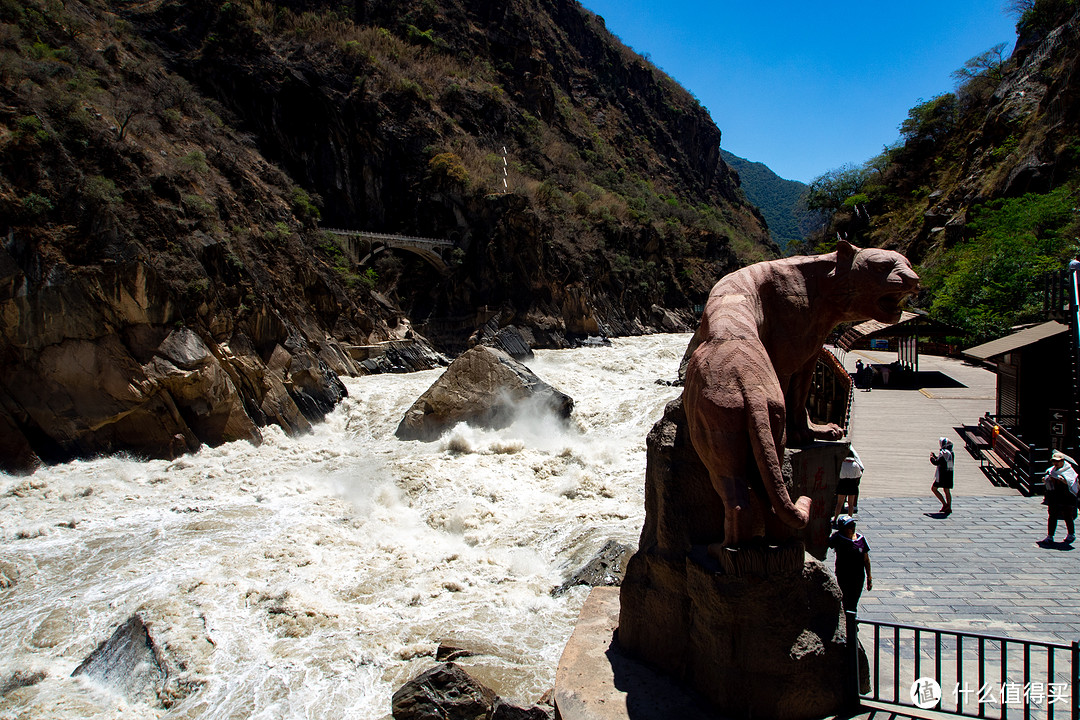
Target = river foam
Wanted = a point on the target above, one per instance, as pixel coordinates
(310, 577)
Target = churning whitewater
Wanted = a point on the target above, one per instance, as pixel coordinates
(311, 577)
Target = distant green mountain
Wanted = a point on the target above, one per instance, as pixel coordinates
(777, 198)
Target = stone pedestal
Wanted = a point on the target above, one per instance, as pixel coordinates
(758, 631)
(769, 645)
(682, 509)
(815, 472)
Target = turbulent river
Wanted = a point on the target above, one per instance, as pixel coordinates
(311, 577)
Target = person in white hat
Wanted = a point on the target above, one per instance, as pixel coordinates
(1062, 487)
(943, 476)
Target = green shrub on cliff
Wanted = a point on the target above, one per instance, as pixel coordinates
(448, 165)
(989, 283)
(1039, 15)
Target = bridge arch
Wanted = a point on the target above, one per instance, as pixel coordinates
(432, 250)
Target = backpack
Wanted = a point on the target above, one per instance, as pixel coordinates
(851, 468)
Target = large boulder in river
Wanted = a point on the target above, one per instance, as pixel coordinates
(484, 387)
(200, 388)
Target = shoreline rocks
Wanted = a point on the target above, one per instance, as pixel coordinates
(447, 691)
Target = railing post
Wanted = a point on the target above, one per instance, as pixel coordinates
(851, 677)
(1075, 680)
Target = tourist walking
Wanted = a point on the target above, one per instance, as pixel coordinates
(943, 476)
(847, 490)
(864, 376)
(1062, 487)
(852, 561)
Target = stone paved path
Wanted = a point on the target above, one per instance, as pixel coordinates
(978, 569)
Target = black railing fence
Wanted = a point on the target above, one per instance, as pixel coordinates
(970, 674)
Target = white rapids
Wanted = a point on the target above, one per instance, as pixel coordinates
(311, 577)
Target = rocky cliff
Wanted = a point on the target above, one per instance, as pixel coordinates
(166, 169)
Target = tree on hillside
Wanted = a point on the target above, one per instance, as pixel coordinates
(989, 64)
(980, 76)
(829, 191)
(931, 120)
(1017, 8)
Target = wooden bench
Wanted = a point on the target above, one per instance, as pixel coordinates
(1002, 457)
(1008, 459)
(975, 438)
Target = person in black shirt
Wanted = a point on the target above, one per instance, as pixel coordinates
(852, 561)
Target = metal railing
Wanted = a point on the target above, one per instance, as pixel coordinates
(974, 675)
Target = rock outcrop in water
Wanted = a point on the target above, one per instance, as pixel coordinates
(484, 387)
(132, 664)
(448, 692)
(606, 568)
(98, 363)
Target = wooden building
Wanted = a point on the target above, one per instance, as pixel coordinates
(905, 336)
(1034, 384)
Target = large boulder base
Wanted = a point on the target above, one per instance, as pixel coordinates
(484, 387)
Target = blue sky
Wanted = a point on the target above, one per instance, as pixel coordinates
(806, 87)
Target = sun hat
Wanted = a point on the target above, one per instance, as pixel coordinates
(1058, 455)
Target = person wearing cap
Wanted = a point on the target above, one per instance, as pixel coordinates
(943, 476)
(852, 561)
(1062, 487)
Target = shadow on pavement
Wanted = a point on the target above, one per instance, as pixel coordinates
(1052, 545)
(904, 380)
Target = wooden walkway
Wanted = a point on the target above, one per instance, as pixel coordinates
(895, 430)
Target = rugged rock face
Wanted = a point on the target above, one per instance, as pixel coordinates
(96, 363)
(447, 691)
(603, 149)
(485, 387)
(606, 568)
(134, 664)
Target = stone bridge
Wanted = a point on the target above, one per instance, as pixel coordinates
(361, 246)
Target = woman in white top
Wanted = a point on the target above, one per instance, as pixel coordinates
(1062, 486)
(847, 489)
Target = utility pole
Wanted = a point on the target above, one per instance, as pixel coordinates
(506, 188)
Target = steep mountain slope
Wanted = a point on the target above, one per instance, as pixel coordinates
(780, 201)
(982, 191)
(165, 168)
(398, 123)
